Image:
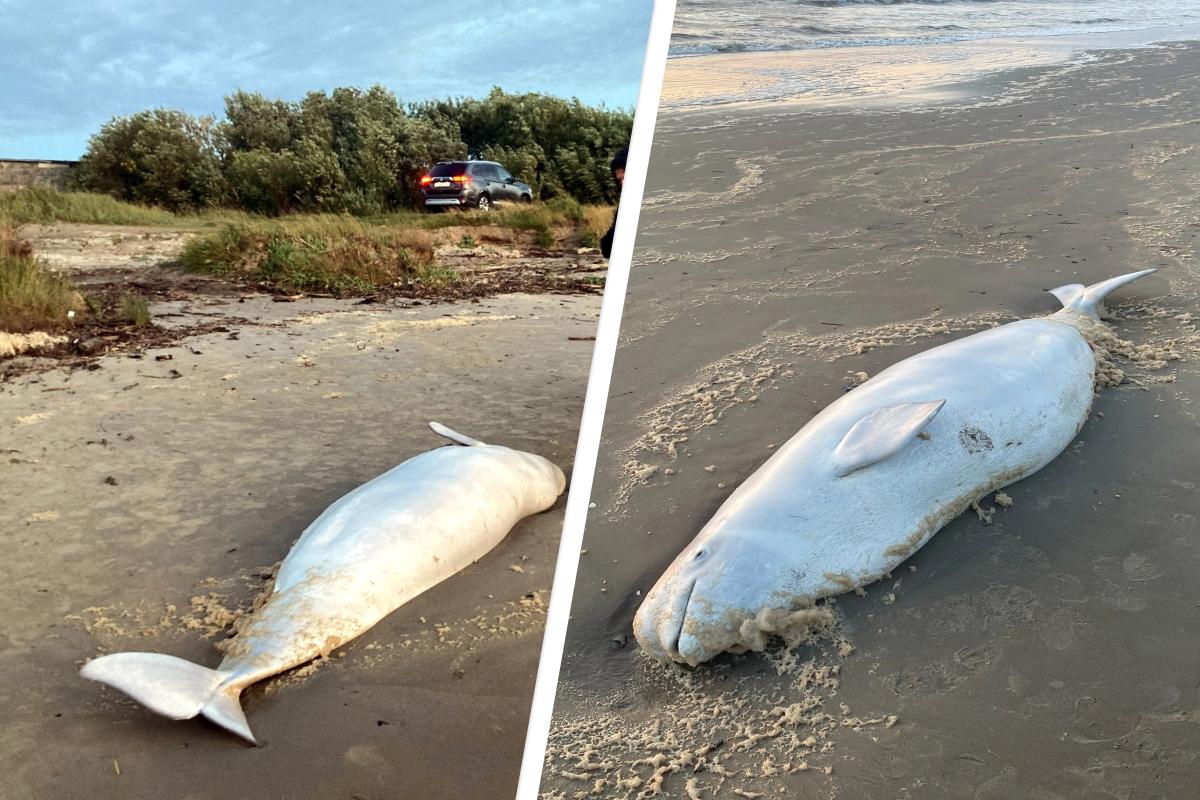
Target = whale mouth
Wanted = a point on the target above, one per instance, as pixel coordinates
(673, 645)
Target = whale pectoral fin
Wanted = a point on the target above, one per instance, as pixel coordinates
(882, 433)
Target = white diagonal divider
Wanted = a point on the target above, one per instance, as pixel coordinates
(563, 588)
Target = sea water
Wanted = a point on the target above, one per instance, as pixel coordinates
(727, 26)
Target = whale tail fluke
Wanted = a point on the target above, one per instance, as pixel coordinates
(225, 708)
(1089, 300)
(173, 687)
(454, 436)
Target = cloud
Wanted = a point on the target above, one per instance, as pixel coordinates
(70, 66)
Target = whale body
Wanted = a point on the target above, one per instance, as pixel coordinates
(875, 475)
(370, 552)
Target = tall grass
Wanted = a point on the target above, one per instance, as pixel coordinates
(134, 309)
(548, 222)
(40, 205)
(327, 253)
(48, 205)
(557, 213)
(568, 207)
(596, 221)
(32, 297)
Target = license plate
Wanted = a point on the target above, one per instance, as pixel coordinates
(441, 184)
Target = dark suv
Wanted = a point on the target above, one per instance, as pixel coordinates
(480, 184)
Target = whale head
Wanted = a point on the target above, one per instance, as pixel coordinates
(721, 594)
(546, 476)
(557, 479)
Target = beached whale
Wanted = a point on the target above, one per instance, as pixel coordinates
(876, 474)
(366, 555)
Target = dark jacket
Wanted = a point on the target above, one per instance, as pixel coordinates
(618, 162)
(607, 240)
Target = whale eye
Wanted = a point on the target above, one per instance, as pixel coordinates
(699, 554)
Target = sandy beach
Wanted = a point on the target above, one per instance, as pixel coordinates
(784, 254)
(148, 494)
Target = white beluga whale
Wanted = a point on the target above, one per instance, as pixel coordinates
(873, 476)
(366, 555)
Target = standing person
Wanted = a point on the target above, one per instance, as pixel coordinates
(618, 173)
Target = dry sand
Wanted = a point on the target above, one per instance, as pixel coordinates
(782, 252)
(146, 500)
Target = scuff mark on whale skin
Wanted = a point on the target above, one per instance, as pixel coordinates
(1011, 398)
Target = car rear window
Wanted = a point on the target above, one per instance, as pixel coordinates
(448, 170)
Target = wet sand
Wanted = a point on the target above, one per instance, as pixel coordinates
(147, 499)
(1050, 654)
(891, 75)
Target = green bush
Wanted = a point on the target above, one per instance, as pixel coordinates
(560, 147)
(305, 177)
(160, 157)
(353, 151)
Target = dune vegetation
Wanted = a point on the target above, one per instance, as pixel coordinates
(32, 296)
(331, 253)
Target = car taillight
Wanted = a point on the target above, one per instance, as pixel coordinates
(426, 180)
(462, 178)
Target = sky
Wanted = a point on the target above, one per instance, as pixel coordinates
(68, 67)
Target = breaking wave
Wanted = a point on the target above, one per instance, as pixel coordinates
(734, 26)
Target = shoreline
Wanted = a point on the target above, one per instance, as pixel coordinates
(883, 75)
